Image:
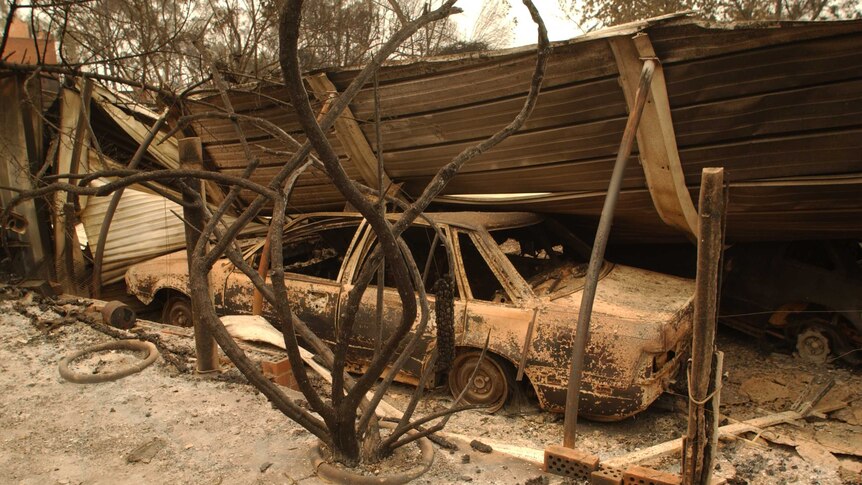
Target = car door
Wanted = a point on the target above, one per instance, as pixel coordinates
(313, 256)
(497, 302)
(432, 259)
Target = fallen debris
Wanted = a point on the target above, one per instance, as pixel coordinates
(817, 455)
(254, 328)
(64, 411)
(851, 415)
(480, 447)
(840, 438)
(539, 480)
(146, 451)
(763, 389)
(802, 408)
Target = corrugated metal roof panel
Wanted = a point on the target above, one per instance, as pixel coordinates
(770, 100)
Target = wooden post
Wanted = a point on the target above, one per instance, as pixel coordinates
(698, 454)
(191, 157)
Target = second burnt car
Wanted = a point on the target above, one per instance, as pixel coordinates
(805, 295)
(518, 276)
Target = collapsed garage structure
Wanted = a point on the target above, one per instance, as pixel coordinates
(775, 104)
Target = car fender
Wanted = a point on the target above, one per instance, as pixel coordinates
(144, 283)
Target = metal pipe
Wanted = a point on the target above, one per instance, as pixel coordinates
(262, 268)
(598, 254)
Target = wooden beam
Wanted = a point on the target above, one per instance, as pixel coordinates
(348, 133)
(15, 173)
(656, 139)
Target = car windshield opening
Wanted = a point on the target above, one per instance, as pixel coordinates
(429, 253)
(551, 260)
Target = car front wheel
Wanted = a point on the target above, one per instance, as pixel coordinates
(177, 311)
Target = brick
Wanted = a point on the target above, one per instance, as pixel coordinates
(567, 462)
(607, 476)
(280, 372)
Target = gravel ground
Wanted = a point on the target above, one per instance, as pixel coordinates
(189, 429)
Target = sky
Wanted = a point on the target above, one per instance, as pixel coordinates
(559, 28)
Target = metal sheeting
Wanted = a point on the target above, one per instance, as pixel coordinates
(146, 225)
(143, 227)
(778, 104)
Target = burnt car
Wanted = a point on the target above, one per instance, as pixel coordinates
(519, 276)
(805, 294)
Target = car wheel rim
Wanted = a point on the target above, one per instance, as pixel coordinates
(488, 387)
(813, 346)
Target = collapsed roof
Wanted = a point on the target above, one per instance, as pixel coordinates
(777, 104)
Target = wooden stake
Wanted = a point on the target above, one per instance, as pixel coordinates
(700, 443)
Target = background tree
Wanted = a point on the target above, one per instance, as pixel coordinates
(593, 14)
(153, 41)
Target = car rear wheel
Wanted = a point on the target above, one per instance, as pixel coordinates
(817, 339)
(177, 311)
(489, 386)
(813, 345)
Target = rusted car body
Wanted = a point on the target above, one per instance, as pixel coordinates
(518, 277)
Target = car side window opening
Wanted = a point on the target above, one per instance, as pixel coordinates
(545, 256)
(319, 254)
(432, 262)
(484, 284)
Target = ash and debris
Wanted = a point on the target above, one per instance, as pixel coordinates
(221, 430)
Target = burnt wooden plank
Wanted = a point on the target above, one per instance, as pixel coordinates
(307, 199)
(567, 105)
(765, 70)
(560, 177)
(683, 41)
(805, 155)
(591, 140)
(222, 130)
(814, 108)
(232, 155)
(503, 78)
(311, 176)
(818, 153)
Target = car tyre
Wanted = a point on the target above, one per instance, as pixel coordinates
(177, 311)
(490, 385)
(813, 345)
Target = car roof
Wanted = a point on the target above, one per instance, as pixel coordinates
(464, 219)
